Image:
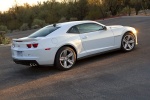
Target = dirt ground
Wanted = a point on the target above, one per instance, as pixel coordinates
(142, 13)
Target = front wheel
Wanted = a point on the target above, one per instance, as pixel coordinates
(128, 42)
(65, 58)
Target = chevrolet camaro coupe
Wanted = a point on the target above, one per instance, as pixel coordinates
(63, 43)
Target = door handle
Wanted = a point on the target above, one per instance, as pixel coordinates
(84, 37)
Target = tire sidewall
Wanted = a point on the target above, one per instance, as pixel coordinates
(57, 61)
(122, 48)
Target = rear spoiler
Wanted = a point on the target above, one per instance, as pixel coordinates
(24, 40)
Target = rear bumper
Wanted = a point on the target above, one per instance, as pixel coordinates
(25, 62)
(38, 56)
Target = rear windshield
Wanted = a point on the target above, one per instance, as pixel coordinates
(43, 32)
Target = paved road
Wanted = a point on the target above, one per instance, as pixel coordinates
(112, 76)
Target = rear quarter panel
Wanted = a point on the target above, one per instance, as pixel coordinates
(72, 40)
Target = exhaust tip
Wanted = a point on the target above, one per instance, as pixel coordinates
(33, 64)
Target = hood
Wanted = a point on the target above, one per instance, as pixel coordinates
(115, 26)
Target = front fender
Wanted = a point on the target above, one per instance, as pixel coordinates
(132, 30)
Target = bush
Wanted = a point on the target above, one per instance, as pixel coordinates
(40, 23)
(3, 28)
(93, 15)
(35, 27)
(73, 19)
(3, 39)
(63, 19)
(6, 40)
(24, 27)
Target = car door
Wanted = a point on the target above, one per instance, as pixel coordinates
(95, 38)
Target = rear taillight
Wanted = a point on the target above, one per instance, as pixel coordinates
(35, 45)
(29, 45)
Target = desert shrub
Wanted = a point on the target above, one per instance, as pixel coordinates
(40, 23)
(125, 11)
(24, 27)
(3, 28)
(6, 40)
(73, 19)
(63, 19)
(3, 39)
(35, 27)
(93, 15)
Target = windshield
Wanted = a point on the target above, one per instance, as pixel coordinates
(43, 32)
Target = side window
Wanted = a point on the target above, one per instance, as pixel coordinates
(73, 30)
(89, 27)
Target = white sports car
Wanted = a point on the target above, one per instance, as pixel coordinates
(63, 43)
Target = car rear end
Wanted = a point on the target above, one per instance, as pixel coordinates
(36, 49)
(25, 51)
(33, 52)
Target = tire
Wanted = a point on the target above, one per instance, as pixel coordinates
(128, 42)
(65, 58)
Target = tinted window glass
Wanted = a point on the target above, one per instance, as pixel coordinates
(43, 32)
(89, 27)
(73, 30)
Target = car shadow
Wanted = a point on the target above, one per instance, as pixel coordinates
(98, 57)
(51, 70)
(23, 74)
(42, 71)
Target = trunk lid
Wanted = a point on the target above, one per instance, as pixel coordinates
(21, 43)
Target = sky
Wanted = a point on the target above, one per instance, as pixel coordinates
(6, 4)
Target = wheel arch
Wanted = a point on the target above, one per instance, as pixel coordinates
(66, 45)
(128, 31)
(69, 45)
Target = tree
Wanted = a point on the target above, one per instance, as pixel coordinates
(137, 5)
(97, 9)
(52, 11)
(114, 6)
(82, 8)
(127, 4)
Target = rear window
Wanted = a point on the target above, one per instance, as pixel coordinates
(43, 32)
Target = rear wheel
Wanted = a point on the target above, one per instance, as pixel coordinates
(128, 42)
(65, 58)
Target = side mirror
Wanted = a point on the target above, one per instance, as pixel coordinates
(104, 28)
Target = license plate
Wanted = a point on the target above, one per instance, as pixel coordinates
(20, 53)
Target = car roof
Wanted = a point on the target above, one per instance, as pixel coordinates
(72, 23)
(75, 23)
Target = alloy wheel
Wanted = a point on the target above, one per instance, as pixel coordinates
(128, 42)
(67, 58)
